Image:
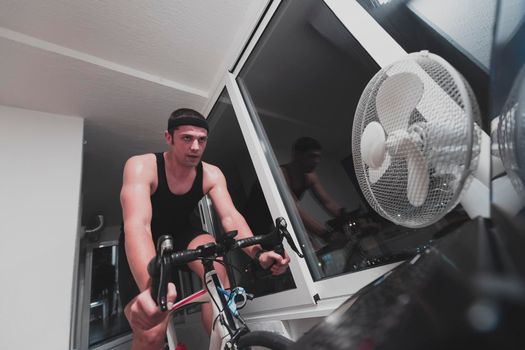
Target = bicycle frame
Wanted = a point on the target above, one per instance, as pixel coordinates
(219, 332)
(227, 326)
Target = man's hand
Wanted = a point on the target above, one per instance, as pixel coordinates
(144, 313)
(275, 262)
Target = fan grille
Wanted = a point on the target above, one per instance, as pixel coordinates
(443, 124)
(511, 134)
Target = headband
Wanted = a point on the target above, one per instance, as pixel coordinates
(201, 123)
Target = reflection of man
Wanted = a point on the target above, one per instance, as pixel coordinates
(300, 176)
(158, 194)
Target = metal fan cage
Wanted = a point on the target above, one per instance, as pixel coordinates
(445, 119)
(511, 134)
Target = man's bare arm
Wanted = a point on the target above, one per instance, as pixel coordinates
(310, 223)
(230, 217)
(323, 197)
(136, 209)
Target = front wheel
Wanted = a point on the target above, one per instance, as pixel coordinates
(265, 340)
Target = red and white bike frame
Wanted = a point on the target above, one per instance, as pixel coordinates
(219, 333)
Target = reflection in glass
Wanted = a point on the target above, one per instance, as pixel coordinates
(508, 104)
(301, 176)
(304, 79)
(509, 148)
(227, 149)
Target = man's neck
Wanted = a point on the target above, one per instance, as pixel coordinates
(175, 168)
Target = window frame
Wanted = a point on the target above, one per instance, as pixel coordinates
(331, 291)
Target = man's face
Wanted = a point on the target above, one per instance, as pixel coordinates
(187, 144)
(309, 160)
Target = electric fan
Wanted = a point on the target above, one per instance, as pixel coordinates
(415, 140)
(511, 134)
(508, 151)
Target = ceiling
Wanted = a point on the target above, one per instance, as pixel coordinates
(124, 66)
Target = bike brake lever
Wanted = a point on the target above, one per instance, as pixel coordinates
(292, 245)
(161, 277)
(280, 223)
(165, 274)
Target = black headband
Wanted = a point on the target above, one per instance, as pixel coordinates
(174, 122)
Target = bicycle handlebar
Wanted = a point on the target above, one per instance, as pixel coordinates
(159, 268)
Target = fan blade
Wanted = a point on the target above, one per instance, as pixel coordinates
(418, 177)
(373, 149)
(374, 174)
(429, 108)
(396, 99)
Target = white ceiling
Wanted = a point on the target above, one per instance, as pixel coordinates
(124, 65)
(180, 40)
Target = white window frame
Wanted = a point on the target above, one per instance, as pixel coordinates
(299, 303)
(302, 295)
(384, 50)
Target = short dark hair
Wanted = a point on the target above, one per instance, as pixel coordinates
(305, 143)
(182, 113)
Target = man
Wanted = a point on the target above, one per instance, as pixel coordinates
(300, 176)
(159, 192)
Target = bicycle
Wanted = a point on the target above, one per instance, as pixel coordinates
(229, 331)
(344, 232)
(354, 235)
(348, 235)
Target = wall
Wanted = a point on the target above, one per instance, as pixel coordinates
(110, 233)
(472, 34)
(40, 157)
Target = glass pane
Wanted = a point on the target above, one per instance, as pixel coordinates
(303, 81)
(459, 31)
(106, 317)
(508, 124)
(227, 150)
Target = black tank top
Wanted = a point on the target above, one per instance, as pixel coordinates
(170, 216)
(171, 212)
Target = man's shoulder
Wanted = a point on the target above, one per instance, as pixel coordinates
(212, 174)
(143, 164)
(312, 175)
(210, 169)
(142, 159)
(312, 179)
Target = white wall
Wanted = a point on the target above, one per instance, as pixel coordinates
(40, 162)
(472, 32)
